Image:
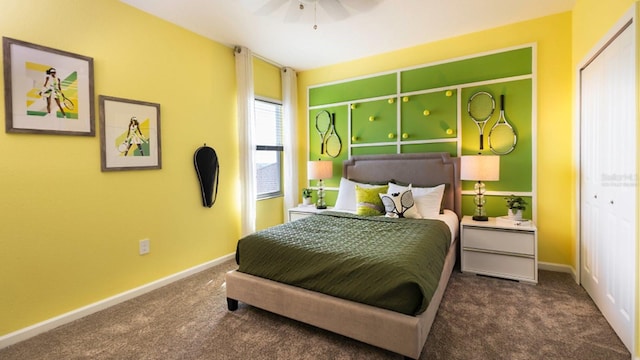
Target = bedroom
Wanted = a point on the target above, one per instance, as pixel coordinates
(70, 233)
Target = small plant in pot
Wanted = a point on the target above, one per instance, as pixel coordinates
(306, 196)
(516, 206)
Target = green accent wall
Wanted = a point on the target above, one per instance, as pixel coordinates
(424, 109)
(371, 87)
(466, 71)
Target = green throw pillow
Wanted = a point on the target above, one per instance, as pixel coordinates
(368, 201)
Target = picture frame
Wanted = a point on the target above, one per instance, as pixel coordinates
(46, 90)
(130, 134)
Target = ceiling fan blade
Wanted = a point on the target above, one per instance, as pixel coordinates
(270, 6)
(361, 5)
(293, 12)
(334, 8)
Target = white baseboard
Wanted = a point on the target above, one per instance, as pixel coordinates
(558, 268)
(49, 324)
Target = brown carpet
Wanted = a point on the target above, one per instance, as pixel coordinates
(479, 318)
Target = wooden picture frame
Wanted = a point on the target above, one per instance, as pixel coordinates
(46, 90)
(129, 135)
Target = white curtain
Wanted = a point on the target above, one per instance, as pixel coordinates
(246, 129)
(289, 138)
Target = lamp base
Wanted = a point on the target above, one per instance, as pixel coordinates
(480, 218)
(321, 207)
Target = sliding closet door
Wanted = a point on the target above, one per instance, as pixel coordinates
(608, 182)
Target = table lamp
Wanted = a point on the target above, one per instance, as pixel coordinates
(320, 170)
(480, 168)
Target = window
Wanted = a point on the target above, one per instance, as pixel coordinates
(268, 135)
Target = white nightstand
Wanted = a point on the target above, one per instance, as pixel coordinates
(497, 249)
(302, 211)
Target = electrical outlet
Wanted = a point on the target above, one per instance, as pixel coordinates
(144, 246)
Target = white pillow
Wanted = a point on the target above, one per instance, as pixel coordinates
(346, 200)
(400, 204)
(428, 200)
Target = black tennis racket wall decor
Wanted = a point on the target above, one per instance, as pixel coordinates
(207, 167)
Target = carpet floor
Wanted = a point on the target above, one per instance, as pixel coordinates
(479, 318)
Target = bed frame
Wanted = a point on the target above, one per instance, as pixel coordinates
(400, 333)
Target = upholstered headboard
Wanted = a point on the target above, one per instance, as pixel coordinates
(421, 170)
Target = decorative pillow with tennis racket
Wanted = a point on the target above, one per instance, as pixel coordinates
(398, 204)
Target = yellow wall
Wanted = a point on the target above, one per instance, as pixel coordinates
(69, 232)
(553, 37)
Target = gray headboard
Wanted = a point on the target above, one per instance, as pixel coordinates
(421, 170)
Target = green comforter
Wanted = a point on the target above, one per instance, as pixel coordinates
(389, 263)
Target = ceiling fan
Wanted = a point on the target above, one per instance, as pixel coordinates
(336, 9)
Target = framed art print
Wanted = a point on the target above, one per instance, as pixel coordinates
(130, 134)
(47, 90)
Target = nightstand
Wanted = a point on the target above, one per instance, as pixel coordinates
(302, 211)
(500, 249)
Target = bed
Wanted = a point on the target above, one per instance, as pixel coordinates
(403, 333)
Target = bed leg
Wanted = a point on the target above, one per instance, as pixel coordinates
(232, 305)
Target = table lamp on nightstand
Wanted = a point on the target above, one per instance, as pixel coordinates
(480, 168)
(320, 170)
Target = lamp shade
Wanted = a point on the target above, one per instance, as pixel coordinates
(321, 169)
(480, 167)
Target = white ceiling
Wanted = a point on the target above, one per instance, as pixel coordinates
(389, 25)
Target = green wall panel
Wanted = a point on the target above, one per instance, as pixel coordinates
(353, 90)
(450, 147)
(515, 167)
(373, 150)
(487, 67)
(495, 206)
(373, 121)
(439, 122)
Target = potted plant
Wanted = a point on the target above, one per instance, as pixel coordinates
(516, 206)
(306, 196)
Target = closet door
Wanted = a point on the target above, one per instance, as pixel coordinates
(608, 182)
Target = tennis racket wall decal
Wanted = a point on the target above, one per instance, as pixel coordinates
(323, 122)
(333, 144)
(502, 137)
(480, 107)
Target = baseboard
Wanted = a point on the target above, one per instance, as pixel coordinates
(557, 268)
(49, 324)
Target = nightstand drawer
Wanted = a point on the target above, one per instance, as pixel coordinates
(298, 215)
(511, 267)
(506, 241)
